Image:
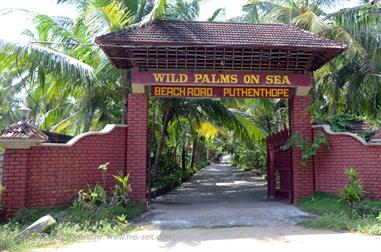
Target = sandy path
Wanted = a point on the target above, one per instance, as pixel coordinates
(292, 238)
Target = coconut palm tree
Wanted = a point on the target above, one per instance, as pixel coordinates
(199, 111)
(349, 83)
(66, 61)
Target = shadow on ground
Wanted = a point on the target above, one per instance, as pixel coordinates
(290, 238)
(220, 196)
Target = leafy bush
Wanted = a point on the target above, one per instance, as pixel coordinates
(366, 208)
(321, 203)
(366, 134)
(331, 222)
(95, 197)
(354, 192)
(2, 188)
(170, 181)
(121, 189)
(345, 122)
(334, 214)
(73, 224)
(308, 149)
(250, 158)
(103, 168)
(338, 123)
(91, 197)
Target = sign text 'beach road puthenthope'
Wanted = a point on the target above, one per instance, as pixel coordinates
(223, 92)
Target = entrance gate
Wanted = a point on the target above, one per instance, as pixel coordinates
(279, 167)
(178, 59)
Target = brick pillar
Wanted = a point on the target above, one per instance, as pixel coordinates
(300, 121)
(137, 145)
(15, 178)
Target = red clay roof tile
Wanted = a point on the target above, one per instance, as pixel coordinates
(22, 130)
(217, 33)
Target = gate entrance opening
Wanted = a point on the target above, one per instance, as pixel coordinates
(221, 60)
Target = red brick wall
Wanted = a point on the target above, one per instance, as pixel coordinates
(300, 121)
(137, 144)
(46, 175)
(346, 151)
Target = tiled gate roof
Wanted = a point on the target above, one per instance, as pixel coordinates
(216, 33)
(218, 46)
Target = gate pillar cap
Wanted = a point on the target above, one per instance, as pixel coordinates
(21, 135)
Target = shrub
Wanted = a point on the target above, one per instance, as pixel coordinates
(91, 197)
(352, 193)
(2, 188)
(121, 189)
(338, 123)
(103, 168)
(73, 224)
(367, 208)
(334, 214)
(248, 157)
(308, 148)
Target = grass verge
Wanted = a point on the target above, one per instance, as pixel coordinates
(73, 224)
(334, 215)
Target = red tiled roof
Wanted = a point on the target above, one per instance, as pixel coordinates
(22, 130)
(216, 33)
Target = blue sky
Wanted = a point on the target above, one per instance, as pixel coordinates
(13, 24)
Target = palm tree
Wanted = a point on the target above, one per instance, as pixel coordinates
(197, 111)
(40, 69)
(88, 84)
(350, 84)
(337, 85)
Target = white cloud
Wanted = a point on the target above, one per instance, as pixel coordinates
(14, 23)
(232, 8)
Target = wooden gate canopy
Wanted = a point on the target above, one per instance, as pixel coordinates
(218, 46)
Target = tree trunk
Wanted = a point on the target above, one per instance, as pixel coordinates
(194, 147)
(306, 6)
(268, 123)
(183, 161)
(90, 117)
(335, 102)
(173, 160)
(313, 90)
(166, 118)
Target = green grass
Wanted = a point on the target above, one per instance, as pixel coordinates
(73, 225)
(334, 215)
